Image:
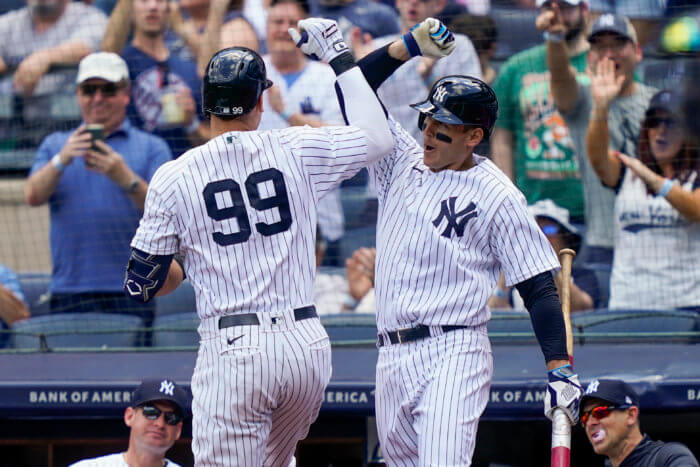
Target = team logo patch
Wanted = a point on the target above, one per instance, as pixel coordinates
(456, 220)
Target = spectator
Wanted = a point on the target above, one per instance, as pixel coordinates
(646, 15)
(484, 35)
(532, 143)
(187, 27)
(335, 294)
(13, 306)
(370, 17)
(165, 90)
(307, 94)
(223, 30)
(416, 77)
(41, 45)
(613, 43)
(554, 222)
(610, 417)
(359, 269)
(96, 194)
(657, 207)
(41, 35)
(150, 435)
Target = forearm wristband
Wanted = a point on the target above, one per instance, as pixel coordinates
(342, 63)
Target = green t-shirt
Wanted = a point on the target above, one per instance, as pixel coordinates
(544, 154)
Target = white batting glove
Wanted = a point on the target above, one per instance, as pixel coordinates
(563, 392)
(319, 38)
(429, 38)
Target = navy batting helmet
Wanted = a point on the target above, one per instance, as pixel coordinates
(234, 80)
(460, 100)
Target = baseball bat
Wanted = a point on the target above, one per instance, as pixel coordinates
(561, 427)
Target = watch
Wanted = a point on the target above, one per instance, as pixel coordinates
(56, 162)
(552, 37)
(132, 186)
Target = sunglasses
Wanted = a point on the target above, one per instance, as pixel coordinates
(655, 122)
(152, 412)
(107, 90)
(550, 229)
(600, 412)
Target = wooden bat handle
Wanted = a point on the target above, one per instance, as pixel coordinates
(566, 257)
(561, 428)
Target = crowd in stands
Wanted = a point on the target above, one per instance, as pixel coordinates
(601, 156)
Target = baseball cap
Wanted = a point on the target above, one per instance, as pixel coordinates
(550, 210)
(160, 389)
(539, 3)
(611, 390)
(666, 100)
(613, 23)
(104, 65)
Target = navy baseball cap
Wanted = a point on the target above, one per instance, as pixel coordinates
(611, 390)
(666, 100)
(615, 24)
(161, 389)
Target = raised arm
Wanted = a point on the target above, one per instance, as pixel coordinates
(429, 39)
(321, 39)
(563, 76)
(211, 40)
(502, 151)
(604, 88)
(118, 27)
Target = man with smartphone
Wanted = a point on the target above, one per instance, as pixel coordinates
(95, 180)
(155, 422)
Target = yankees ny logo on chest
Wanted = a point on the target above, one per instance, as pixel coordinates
(456, 220)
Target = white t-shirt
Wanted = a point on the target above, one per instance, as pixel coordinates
(113, 460)
(657, 251)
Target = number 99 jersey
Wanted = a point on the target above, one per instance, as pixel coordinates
(242, 209)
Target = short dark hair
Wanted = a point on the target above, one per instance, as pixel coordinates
(303, 4)
(481, 30)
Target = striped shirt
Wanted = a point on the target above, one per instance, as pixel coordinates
(443, 239)
(242, 210)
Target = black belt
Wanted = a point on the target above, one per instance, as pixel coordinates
(411, 334)
(251, 319)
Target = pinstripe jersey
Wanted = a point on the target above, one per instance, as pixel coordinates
(443, 238)
(242, 210)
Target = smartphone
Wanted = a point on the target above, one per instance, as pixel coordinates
(97, 130)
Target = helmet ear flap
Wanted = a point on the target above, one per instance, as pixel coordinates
(421, 121)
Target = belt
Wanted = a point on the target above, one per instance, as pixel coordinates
(251, 319)
(411, 334)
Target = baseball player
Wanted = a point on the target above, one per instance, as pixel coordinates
(449, 223)
(241, 210)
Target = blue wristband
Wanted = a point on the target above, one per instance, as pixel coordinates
(501, 293)
(665, 188)
(563, 371)
(411, 45)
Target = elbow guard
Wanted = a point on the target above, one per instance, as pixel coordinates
(145, 274)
